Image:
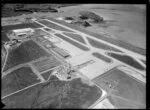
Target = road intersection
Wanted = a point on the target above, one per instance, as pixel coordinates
(91, 71)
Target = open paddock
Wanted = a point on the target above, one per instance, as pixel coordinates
(46, 64)
(55, 94)
(25, 52)
(120, 103)
(18, 79)
(120, 84)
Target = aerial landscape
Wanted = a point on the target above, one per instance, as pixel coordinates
(90, 56)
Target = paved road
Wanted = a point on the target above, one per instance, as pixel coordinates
(136, 56)
(84, 35)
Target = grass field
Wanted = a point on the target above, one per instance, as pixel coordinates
(3, 55)
(47, 74)
(122, 85)
(100, 45)
(20, 26)
(55, 94)
(73, 42)
(49, 30)
(127, 59)
(4, 37)
(11, 13)
(23, 99)
(75, 37)
(40, 32)
(124, 104)
(17, 80)
(7, 28)
(46, 64)
(26, 52)
(101, 37)
(143, 61)
(64, 95)
(54, 26)
(101, 57)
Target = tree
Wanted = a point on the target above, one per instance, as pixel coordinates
(91, 15)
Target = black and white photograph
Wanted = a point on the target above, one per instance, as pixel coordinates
(73, 56)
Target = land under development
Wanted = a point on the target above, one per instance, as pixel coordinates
(50, 63)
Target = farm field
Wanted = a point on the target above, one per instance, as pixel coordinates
(46, 64)
(17, 80)
(26, 52)
(101, 57)
(100, 45)
(127, 59)
(54, 26)
(75, 37)
(73, 42)
(118, 83)
(55, 94)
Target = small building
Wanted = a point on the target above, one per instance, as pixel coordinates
(21, 32)
(60, 18)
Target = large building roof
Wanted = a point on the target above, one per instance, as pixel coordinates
(22, 30)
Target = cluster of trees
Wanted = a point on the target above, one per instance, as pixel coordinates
(82, 20)
(82, 23)
(9, 10)
(91, 15)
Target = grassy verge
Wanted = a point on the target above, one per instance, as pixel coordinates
(101, 57)
(110, 40)
(25, 52)
(128, 60)
(73, 42)
(75, 37)
(54, 26)
(17, 80)
(100, 45)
